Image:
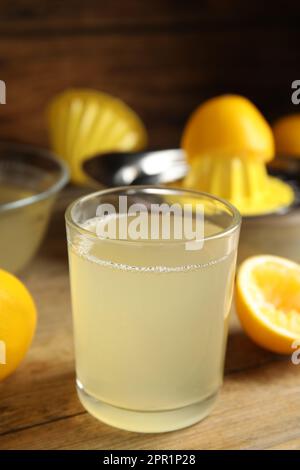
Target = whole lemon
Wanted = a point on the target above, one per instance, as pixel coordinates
(228, 125)
(17, 322)
(287, 135)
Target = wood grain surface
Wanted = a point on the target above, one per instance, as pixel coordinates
(258, 408)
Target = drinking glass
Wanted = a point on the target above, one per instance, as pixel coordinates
(150, 315)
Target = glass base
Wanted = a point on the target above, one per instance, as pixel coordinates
(146, 421)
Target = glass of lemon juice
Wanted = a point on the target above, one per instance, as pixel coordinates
(150, 307)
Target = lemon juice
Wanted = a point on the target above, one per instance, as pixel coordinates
(21, 227)
(150, 324)
(11, 192)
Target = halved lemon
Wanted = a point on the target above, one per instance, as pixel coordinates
(268, 301)
(228, 125)
(84, 122)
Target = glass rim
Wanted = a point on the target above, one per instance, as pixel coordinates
(41, 154)
(232, 227)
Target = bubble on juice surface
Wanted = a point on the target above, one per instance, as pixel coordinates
(82, 246)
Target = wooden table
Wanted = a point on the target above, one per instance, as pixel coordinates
(258, 408)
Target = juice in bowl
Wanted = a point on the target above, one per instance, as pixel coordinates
(150, 308)
(30, 180)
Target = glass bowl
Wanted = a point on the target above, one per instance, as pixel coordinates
(30, 179)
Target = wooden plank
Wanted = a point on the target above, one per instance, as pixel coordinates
(31, 16)
(163, 76)
(293, 444)
(257, 409)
